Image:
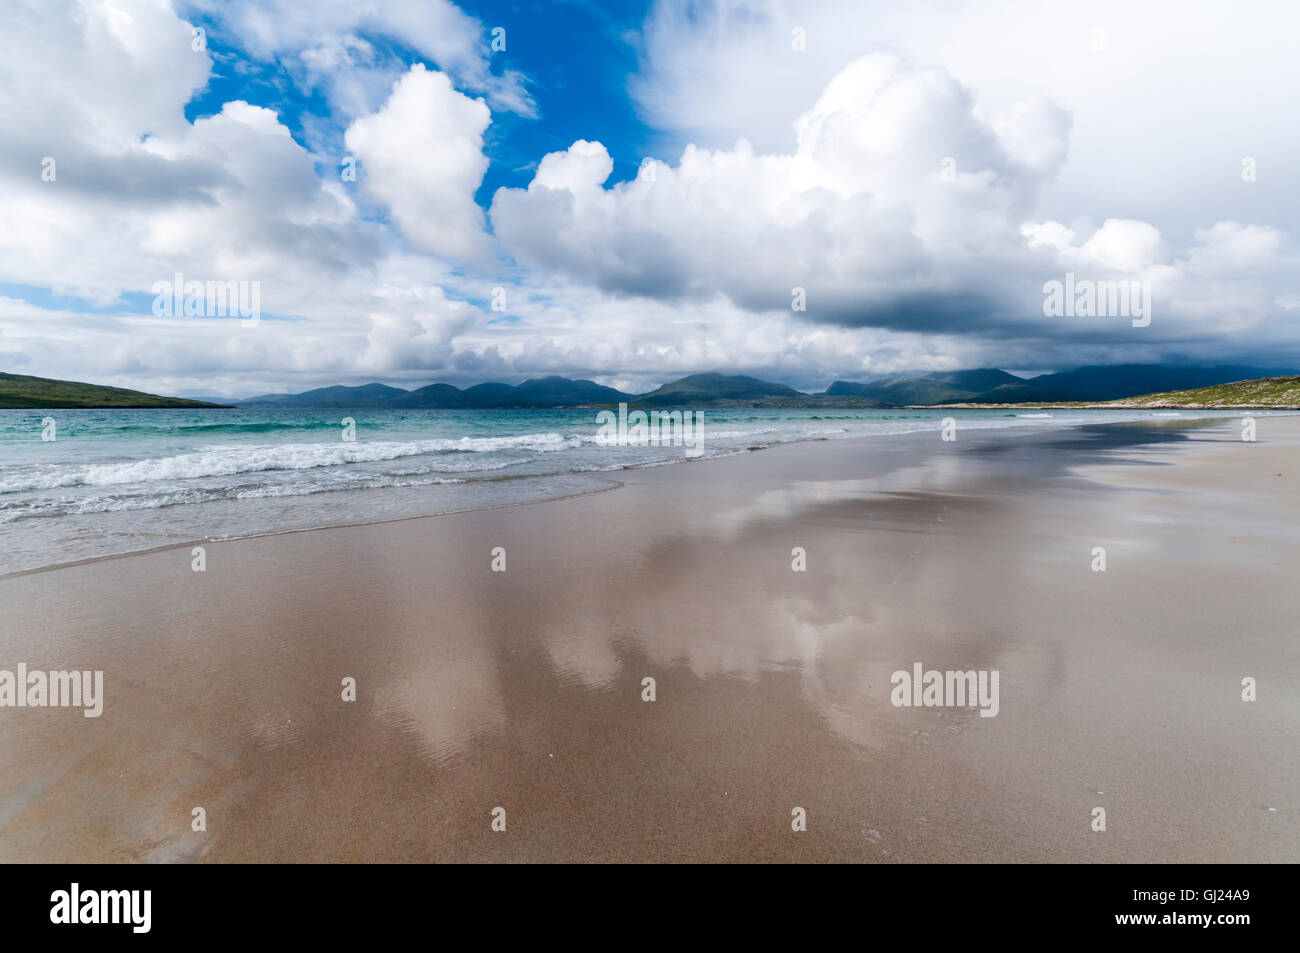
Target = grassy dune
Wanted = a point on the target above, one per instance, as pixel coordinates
(1281, 393)
(1264, 392)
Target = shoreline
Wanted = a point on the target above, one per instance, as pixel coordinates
(209, 540)
(543, 494)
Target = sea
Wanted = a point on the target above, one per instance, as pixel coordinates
(85, 484)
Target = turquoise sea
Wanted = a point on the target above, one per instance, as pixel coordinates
(113, 481)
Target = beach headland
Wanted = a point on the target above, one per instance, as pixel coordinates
(499, 659)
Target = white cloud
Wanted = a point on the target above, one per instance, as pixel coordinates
(899, 208)
(1120, 245)
(422, 157)
(1233, 249)
(77, 77)
(1162, 113)
(859, 214)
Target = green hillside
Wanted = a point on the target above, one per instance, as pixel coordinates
(20, 391)
(1264, 392)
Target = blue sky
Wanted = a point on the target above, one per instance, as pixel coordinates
(577, 56)
(829, 190)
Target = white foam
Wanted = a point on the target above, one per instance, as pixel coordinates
(229, 460)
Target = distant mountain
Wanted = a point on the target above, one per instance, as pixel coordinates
(703, 388)
(1118, 381)
(934, 388)
(438, 396)
(719, 390)
(552, 391)
(491, 394)
(544, 392)
(981, 379)
(18, 390)
(979, 386)
(338, 396)
(848, 389)
(547, 392)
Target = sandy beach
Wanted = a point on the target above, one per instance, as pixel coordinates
(523, 689)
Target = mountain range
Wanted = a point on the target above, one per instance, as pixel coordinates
(545, 392)
(697, 389)
(978, 386)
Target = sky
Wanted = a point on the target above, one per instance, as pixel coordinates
(629, 191)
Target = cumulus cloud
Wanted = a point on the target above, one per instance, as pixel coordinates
(422, 156)
(895, 200)
(83, 86)
(266, 216)
(1120, 245)
(1166, 98)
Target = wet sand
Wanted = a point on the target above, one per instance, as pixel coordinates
(523, 689)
